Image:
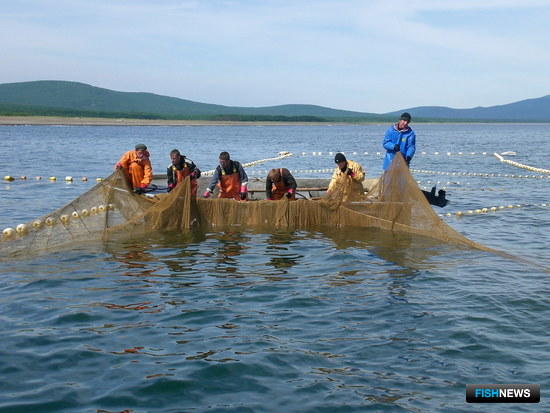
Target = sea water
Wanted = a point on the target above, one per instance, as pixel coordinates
(300, 321)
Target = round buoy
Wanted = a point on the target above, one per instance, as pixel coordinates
(84, 179)
(110, 207)
(68, 179)
(101, 208)
(93, 210)
(8, 233)
(21, 228)
(37, 224)
(85, 212)
(99, 179)
(52, 178)
(23, 178)
(75, 214)
(9, 178)
(38, 178)
(50, 221)
(64, 219)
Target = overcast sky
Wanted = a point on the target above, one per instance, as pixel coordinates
(364, 55)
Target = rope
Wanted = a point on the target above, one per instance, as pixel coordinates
(481, 211)
(520, 165)
(262, 172)
(381, 153)
(485, 174)
(282, 155)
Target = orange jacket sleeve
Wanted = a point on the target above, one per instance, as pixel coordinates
(147, 172)
(125, 160)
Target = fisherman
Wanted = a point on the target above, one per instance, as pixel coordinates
(399, 138)
(179, 169)
(137, 168)
(230, 178)
(347, 177)
(280, 183)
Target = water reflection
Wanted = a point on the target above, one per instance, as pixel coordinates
(282, 251)
(231, 245)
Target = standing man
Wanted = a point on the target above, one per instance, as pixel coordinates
(230, 178)
(347, 178)
(179, 169)
(399, 138)
(137, 167)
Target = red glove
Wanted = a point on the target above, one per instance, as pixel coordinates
(290, 193)
(350, 173)
(118, 165)
(143, 186)
(244, 192)
(171, 186)
(206, 194)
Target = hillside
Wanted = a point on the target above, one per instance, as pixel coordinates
(75, 97)
(529, 110)
(63, 98)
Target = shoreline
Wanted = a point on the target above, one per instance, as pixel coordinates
(85, 121)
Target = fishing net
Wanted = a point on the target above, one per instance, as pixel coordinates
(111, 209)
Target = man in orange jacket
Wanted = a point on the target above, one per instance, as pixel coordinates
(137, 167)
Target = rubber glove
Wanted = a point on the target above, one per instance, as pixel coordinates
(206, 194)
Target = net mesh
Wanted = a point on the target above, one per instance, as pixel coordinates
(111, 209)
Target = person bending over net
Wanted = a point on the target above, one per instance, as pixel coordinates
(230, 178)
(280, 183)
(137, 167)
(179, 169)
(347, 179)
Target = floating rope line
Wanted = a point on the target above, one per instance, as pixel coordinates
(294, 171)
(481, 211)
(9, 178)
(65, 219)
(520, 165)
(484, 174)
(383, 153)
(282, 155)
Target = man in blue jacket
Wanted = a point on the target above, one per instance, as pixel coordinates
(399, 138)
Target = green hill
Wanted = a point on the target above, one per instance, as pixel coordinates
(62, 98)
(79, 99)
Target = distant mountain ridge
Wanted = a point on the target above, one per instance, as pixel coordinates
(80, 99)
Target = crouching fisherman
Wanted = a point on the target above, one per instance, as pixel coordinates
(179, 169)
(230, 178)
(280, 183)
(347, 178)
(137, 168)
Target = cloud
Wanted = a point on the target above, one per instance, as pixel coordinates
(349, 54)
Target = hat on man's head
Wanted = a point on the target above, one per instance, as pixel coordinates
(339, 158)
(141, 147)
(405, 116)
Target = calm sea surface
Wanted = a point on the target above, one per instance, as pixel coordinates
(333, 321)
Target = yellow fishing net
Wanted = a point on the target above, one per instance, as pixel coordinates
(111, 209)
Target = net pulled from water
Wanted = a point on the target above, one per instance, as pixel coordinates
(111, 209)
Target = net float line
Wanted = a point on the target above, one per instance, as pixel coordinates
(520, 165)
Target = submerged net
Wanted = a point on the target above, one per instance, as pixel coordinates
(111, 209)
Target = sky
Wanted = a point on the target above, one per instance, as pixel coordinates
(363, 55)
